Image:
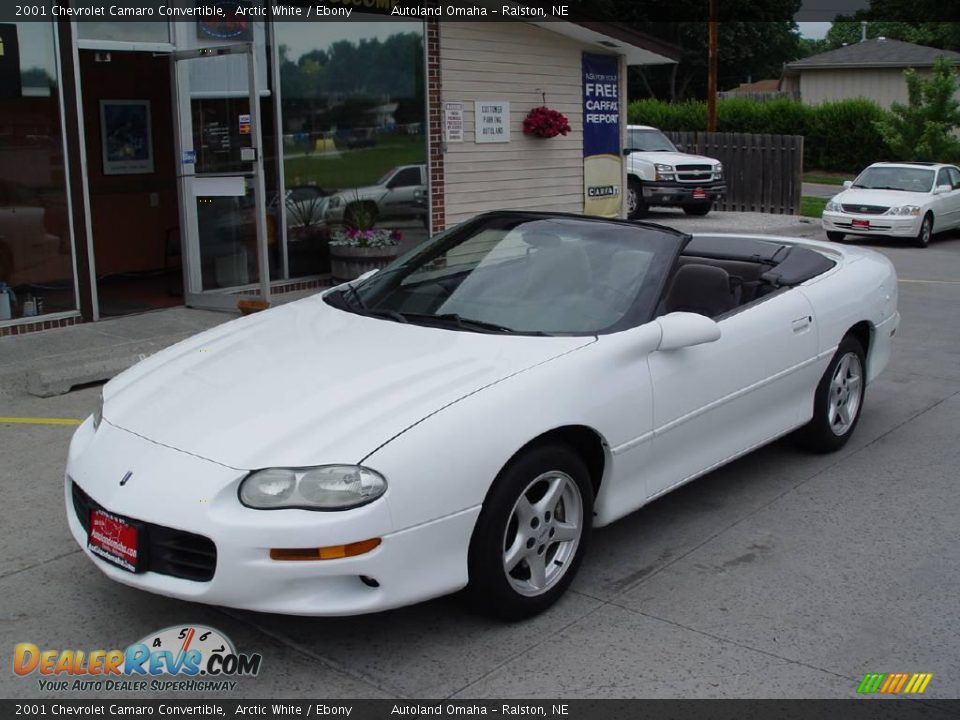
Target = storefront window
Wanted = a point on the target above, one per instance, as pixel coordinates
(36, 258)
(354, 134)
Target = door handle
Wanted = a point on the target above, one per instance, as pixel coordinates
(801, 324)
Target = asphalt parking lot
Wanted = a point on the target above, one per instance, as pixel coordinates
(782, 575)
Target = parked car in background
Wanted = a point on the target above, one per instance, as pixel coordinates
(908, 200)
(659, 174)
(400, 193)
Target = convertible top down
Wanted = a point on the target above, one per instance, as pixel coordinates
(463, 417)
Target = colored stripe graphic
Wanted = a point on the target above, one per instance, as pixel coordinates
(38, 421)
(894, 683)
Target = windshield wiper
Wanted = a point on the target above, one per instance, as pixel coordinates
(468, 323)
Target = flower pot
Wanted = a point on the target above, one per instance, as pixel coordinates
(348, 262)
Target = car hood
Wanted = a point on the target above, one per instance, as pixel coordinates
(886, 198)
(673, 158)
(308, 384)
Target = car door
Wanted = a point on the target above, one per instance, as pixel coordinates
(717, 400)
(400, 199)
(951, 200)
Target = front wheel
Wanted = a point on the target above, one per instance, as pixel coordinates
(926, 232)
(636, 207)
(532, 533)
(835, 236)
(839, 400)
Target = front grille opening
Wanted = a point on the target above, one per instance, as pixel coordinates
(170, 552)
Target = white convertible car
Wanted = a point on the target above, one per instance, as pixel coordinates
(907, 200)
(465, 416)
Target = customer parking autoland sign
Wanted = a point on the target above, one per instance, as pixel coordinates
(602, 162)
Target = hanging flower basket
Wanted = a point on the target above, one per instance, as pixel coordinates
(354, 252)
(545, 123)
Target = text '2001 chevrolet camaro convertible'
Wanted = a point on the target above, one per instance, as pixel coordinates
(462, 418)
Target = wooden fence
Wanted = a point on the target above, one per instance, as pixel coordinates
(763, 172)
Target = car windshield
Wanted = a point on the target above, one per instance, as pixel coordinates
(895, 178)
(649, 141)
(523, 274)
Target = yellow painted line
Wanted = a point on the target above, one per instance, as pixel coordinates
(38, 421)
(930, 282)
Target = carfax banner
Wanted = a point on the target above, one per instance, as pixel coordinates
(602, 161)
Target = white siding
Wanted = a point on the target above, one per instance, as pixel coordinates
(883, 85)
(514, 62)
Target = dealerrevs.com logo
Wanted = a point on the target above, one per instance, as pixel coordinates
(178, 658)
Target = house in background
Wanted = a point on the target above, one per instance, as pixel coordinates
(757, 90)
(871, 69)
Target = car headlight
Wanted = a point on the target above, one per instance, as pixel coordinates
(718, 171)
(664, 172)
(98, 412)
(334, 202)
(904, 210)
(832, 206)
(328, 487)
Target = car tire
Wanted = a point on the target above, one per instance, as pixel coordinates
(926, 232)
(698, 209)
(517, 566)
(839, 400)
(636, 207)
(835, 236)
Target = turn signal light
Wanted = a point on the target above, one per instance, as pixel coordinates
(333, 552)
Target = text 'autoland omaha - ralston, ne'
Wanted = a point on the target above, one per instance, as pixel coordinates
(479, 11)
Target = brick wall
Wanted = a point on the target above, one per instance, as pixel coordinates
(435, 119)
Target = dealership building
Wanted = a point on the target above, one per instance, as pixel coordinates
(149, 164)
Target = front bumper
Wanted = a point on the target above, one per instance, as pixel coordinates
(666, 193)
(410, 565)
(893, 225)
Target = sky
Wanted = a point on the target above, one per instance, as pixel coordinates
(815, 30)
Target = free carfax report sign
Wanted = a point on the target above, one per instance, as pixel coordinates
(602, 162)
(178, 658)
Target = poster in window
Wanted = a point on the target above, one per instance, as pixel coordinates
(125, 133)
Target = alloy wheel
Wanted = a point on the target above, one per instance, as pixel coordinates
(846, 394)
(543, 533)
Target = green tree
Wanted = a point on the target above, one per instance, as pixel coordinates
(923, 128)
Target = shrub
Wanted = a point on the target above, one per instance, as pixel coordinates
(838, 136)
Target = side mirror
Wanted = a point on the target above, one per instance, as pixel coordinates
(941, 189)
(627, 151)
(682, 329)
(847, 184)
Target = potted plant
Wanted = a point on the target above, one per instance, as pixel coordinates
(308, 234)
(544, 122)
(359, 247)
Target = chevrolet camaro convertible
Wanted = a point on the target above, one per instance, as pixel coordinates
(462, 418)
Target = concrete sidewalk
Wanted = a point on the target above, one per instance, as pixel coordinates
(52, 362)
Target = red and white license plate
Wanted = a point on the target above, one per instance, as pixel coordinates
(699, 194)
(114, 539)
(860, 224)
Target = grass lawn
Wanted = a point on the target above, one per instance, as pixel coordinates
(812, 206)
(824, 177)
(353, 168)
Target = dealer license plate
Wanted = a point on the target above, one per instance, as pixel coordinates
(860, 224)
(114, 539)
(699, 194)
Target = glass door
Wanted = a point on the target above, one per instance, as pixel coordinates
(221, 178)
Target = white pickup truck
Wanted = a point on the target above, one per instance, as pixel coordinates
(659, 174)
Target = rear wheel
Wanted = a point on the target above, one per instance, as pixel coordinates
(835, 236)
(636, 207)
(839, 400)
(700, 209)
(532, 533)
(926, 232)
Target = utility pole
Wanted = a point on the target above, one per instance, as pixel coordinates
(712, 70)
